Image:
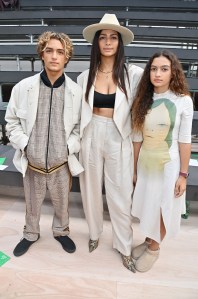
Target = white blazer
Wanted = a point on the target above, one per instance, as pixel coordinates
(122, 109)
(21, 116)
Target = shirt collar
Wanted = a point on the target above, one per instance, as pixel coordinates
(47, 82)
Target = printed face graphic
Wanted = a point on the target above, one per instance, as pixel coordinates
(157, 125)
(157, 135)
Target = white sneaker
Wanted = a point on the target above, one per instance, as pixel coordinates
(139, 250)
(146, 260)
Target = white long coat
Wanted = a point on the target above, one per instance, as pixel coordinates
(21, 116)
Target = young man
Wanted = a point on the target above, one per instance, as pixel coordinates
(43, 117)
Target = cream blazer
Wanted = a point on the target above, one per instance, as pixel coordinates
(21, 116)
(122, 109)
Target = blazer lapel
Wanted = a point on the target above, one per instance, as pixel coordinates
(120, 96)
(122, 109)
(91, 97)
(87, 110)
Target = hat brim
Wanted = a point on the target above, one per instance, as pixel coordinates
(90, 31)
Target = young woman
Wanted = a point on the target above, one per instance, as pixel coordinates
(106, 147)
(162, 117)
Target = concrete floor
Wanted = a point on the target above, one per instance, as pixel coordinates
(48, 272)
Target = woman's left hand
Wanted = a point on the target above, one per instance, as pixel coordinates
(180, 186)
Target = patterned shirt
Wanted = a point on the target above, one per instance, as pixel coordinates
(47, 147)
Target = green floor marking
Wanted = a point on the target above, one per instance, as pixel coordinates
(3, 258)
(2, 160)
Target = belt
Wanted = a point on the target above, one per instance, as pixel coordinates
(45, 170)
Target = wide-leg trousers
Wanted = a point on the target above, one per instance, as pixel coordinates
(107, 158)
(35, 187)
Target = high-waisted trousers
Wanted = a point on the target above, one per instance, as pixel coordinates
(35, 186)
(107, 158)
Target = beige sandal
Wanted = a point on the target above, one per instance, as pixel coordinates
(139, 250)
(93, 244)
(146, 260)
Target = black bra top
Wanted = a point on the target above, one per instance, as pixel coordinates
(104, 100)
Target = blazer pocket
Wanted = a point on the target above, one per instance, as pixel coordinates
(75, 119)
(21, 113)
(127, 146)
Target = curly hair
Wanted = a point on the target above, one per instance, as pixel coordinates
(62, 37)
(144, 95)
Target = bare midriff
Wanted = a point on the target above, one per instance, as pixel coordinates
(106, 112)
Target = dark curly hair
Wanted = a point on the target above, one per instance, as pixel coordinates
(144, 95)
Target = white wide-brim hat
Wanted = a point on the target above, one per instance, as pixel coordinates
(109, 21)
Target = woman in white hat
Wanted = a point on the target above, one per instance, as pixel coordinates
(106, 148)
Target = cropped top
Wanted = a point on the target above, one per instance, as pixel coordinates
(104, 100)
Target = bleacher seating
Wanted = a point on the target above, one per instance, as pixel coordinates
(156, 24)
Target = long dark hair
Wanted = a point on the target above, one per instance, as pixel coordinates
(118, 69)
(144, 96)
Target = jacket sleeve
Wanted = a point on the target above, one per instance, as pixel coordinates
(73, 141)
(186, 121)
(16, 121)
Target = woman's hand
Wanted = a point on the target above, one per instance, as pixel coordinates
(180, 186)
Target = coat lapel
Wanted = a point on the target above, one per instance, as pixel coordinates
(33, 95)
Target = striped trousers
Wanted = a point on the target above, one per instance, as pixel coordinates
(35, 186)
